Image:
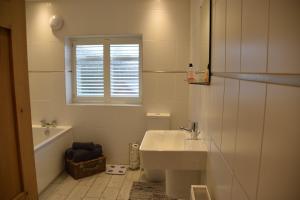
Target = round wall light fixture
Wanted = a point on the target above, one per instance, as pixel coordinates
(56, 22)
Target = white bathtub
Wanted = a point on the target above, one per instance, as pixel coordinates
(49, 147)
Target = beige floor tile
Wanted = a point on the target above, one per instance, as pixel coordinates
(48, 191)
(116, 181)
(110, 193)
(78, 192)
(101, 186)
(132, 175)
(60, 179)
(125, 190)
(103, 174)
(66, 186)
(57, 197)
(88, 181)
(136, 175)
(98, 186)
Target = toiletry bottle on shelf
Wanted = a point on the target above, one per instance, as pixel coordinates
(191, 74)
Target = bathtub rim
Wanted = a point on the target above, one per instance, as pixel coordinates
(51, 139)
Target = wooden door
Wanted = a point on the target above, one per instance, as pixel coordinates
(17, 171)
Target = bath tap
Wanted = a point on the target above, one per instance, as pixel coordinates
(44, 123)
(194, 130)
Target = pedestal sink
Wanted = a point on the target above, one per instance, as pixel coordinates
(174, 153)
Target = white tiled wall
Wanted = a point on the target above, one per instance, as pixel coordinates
(230, 120)
(233, 35)
(249, 135)
(219, 35)
(165, 26)
(252, 128)
(283, 55)
(280, 161)
(215, 107)
(254, 35)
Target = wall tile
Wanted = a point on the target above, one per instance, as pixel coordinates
(37, 22)
(249, 135)
(157, 25)
(216, 110)
(47, 94)
(159, 55)
(280, 163)
(114, 127)
(210, 172)
(165, 88)
(205, 115)
(182, 19)
(46, 56)
(204, 32)
(182, 55)
(181, 87)
(233, 35)
(132, 18)
(179, 113)
(219, 25)
(284, 41)
(195, 32)
(237, 191)
(192, 102)
(167, 93)
(39, 84)
(221, 176)
(230, 114)
(254, 35)
(149, 87)
(195, 102)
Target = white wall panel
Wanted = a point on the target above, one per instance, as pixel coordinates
(233, 35)
(280, 175)
(230, 117)
(219, 36)
(284, 40)
(254, 35)
(249, 135)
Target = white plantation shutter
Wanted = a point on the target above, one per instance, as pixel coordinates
(124, 70)
(106, 70)
(89, 71)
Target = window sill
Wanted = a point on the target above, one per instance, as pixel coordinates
(105, 104)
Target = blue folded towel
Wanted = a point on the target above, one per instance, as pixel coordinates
(83, 145)
(79, 155)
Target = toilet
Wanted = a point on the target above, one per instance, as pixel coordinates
(156, 121)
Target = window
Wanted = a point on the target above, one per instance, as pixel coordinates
(106, 70)
(89, 70)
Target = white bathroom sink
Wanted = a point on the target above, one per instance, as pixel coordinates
(172, 150)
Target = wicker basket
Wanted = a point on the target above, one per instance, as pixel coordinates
(86, 168)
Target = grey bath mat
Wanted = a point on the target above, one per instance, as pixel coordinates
(148, 191)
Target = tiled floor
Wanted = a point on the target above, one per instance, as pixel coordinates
(98, 187)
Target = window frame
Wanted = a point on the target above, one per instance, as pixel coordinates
(106, 41)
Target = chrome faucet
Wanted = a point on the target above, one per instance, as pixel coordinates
(194, 130)
(46, 124)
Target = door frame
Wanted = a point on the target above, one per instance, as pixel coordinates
(12, 17)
